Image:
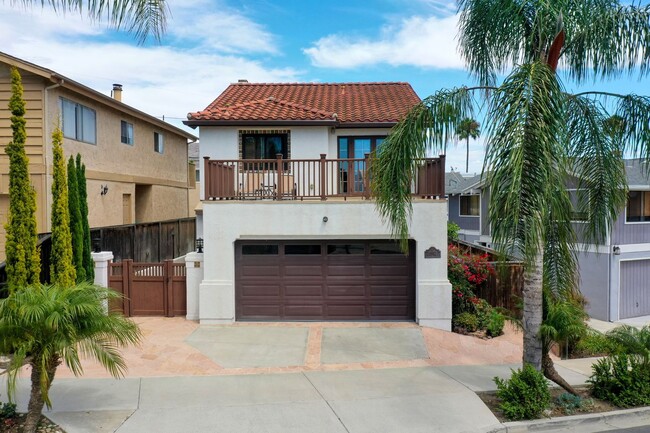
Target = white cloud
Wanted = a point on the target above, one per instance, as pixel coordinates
(427, 42)
(159, 80)
(212, 25)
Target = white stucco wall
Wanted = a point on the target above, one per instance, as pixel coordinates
(228, 221)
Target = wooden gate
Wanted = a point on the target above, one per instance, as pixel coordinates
(149, 289)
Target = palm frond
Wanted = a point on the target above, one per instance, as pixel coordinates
(605, 39)
(492, 35)
(597, 163)
(427, 126)
(144, 18)
(523, 153)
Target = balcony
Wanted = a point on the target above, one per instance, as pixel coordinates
(308, 179)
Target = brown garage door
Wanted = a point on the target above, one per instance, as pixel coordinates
(324, 280)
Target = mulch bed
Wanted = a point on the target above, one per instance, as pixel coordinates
(15, 425)
(591, 404)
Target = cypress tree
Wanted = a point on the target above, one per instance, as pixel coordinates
(88, 264)
(76, 228)
(22, 255)
(62, 271)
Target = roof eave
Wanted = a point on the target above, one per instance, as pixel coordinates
(264, 122)
(260, 122)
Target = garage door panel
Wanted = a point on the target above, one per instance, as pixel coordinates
(346, 311)
(314, 280)
(389, 290)
(257, 311)
(306, 270)
(304, 311)
(389, 311)
(346, 290)
(260, 270)
(388, 270)
(346, 270)
(301, 290)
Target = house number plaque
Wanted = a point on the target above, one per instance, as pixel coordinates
(432, 253)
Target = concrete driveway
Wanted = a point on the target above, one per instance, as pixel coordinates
(372, 401)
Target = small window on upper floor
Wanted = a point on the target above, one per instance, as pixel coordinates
(638, 206)
(158, 142)
(79, 122)
(126, 133)
(470, 205)
(578, 197)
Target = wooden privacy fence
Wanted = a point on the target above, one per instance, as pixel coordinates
(147, 242)
(149, 289)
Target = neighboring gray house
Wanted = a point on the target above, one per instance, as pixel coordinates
(614, 276)
(467, 207)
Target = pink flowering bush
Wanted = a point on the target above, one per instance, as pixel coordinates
(467, 273)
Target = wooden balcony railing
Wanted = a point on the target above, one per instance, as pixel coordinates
(305, 179)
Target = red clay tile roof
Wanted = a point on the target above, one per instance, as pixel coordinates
(340, 103)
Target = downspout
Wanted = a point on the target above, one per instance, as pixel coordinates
(46, 135)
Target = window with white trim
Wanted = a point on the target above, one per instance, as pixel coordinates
(79, 122)
(638, 206)
(470, 205)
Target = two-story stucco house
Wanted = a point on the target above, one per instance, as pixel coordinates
(136, 164)
(289, 225)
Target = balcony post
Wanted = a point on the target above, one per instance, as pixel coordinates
(206, 178)
(441, 177)
(366, 175)
(323, 168)
(279, 180)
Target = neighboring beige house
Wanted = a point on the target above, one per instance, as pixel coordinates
(136, 165)
(289, 225)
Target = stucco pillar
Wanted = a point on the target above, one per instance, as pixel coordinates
(101, 260)
(194, 269)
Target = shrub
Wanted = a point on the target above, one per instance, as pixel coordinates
(483, 312)
(495, 324)
(595, 344)
(525, 395)
(452, 231)
(466, 321)
(569, 403)
(622, 379)
(7, 411)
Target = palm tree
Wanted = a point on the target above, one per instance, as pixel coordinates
(142, 17)
(466, 129)
(538, 133)
(631, 340)
(45, 325)
(564, 322)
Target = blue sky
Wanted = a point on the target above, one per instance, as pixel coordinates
(211, 43)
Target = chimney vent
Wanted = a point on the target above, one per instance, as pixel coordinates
(242, 80)
(117, 92)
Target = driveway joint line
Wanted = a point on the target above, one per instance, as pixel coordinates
(326, 402)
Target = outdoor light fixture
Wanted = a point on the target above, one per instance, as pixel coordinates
(103, 189)
(199, 245)
(97, 247)
(617, 250)
(325, 219)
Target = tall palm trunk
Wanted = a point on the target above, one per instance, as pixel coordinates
(36, 401)
(467, 157)
(532, 317)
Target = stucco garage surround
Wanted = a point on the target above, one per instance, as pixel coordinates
(225, 222)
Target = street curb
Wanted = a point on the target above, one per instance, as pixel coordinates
(540, 425)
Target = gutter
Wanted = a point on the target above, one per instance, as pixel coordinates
(58, 82)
